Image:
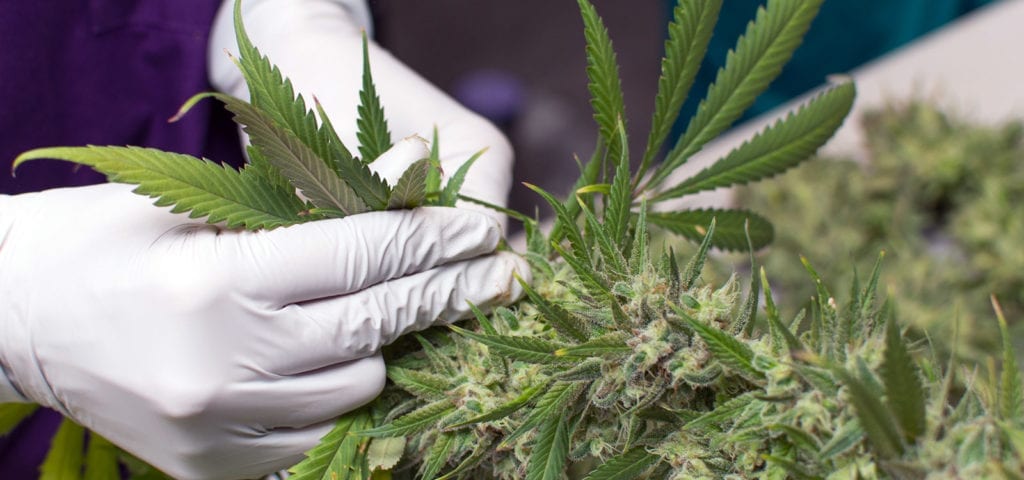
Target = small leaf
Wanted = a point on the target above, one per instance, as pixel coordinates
(730, 233)
(780, 333)
(848, 436)
(641, 254)
(506, 409)
(200, 187)
(101, 459)
(438, 455)
(726, 349)
(904, 393)
(384, 453)
(609, 345)
(11, 414)
(413, 422)
(411, 189)
(696, 264)
(450, 193)
(552, 404)
(480, 452)
(1011, 387)
(528, 349)
(875, 419)
(425, 385)
(620, 198)
(434, 172)
(610, 250)
(627, 466)
(569, 227)
(565, 324)
(550, 450)
(65, 459)
(371, 126)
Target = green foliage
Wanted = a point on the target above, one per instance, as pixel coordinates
(11, 414)
(617, 364)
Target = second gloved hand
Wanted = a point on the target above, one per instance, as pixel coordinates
(215, 353)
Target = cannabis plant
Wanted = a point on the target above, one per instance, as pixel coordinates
(938, 193)
(617, 364)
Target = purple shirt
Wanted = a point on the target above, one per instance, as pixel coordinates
(102, 72)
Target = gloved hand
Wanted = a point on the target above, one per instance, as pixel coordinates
(215, 353)
(318, 45)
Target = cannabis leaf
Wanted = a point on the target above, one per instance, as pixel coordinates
(603, 72)
(758, 58)
(411, 189)
(779, 147)
(374, 137)
(730, 230)
(904, 393)
(200, 187)
(340, 454)
(65, 460)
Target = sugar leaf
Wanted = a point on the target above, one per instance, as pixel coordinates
(732, 353)
(620, 198)
(425, 385)
(438, 454)
(525, 348)
(413, 422)
(627, 466)
(450, 192)
(200, 187)
(875, 419)
(1011, 386)
(904, 394)
(508, 408)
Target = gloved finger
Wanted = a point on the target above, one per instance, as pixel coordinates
(336, 257)
(392, 163)
(275, 450)
(307, 398)
(329, 331)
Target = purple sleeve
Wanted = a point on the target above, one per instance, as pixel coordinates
(102, 72)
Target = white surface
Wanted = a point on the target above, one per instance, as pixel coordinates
(973, 67)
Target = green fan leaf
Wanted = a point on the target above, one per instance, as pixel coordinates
(66, 457)
(11, 414)
(101, 459)
(760, 53)
(904, 394)
(425, 385)
(730, 233)
(627, 466)
(603, 73)
(200, 187)
(688, 36)
(732, 353)
(274, 95)
(411, 189)
(777, 148)
(296, 161)
(550, 451)
(413, 422)
(527, 349)
(340, 454)
(372, 127)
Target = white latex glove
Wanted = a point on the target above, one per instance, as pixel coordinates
(318, 45)
(215, 353)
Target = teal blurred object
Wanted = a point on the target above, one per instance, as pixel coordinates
(846, 34)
